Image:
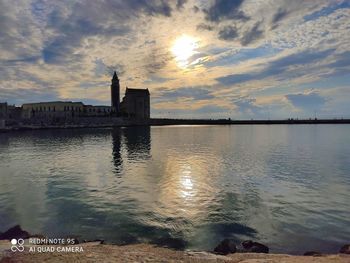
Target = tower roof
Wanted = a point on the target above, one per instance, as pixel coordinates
(115, 75)
(136, 91)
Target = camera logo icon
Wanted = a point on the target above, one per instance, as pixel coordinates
(17, 245)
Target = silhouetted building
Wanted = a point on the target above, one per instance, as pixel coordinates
(97, 111)
(59, 109)
(136, 104)
(14, 112)
(115, 90)
(3, 110)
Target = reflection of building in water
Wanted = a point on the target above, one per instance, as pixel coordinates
(138, 142)
(116, 148)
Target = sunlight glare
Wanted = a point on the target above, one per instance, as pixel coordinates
(183, 48)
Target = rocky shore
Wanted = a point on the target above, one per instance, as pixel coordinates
(96, 251)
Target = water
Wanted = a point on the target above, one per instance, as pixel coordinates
(187, 187)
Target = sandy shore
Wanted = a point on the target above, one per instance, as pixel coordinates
(95, 252)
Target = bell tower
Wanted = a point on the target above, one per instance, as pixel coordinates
(115, 97)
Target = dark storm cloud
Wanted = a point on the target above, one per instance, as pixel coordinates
(225, 10)
(195, 93)
(310, 101)
(228, 33)
(278, 67)
(251, 36)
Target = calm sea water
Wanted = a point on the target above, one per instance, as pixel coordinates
(187, 187)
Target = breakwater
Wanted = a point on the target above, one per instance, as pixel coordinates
(102, 122)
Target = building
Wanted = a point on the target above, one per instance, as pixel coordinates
(3, 110)
(115, 93)
(90, 111)
(52, 109)
(14, 112)
(136, 104)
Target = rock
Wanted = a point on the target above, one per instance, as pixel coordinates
(345, 249)
(312, 253)
(14, 232)
(254, 247)
(101, 241)
(227, 246)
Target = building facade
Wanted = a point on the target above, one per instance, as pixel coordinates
(101, 111)
(53, 109)
(136, 104)
(3, 110)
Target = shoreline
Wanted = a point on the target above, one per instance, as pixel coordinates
(97, 252)
(17, 245)
(171, 122)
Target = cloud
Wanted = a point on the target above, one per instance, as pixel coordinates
(203, 26)
(225, 10)
(278, 16)
(252, 35)
(327, 10)
(101, 69)
(279, 67)
(195, 93)
(180, 4)
(228, 33)
(307, 101)
(247, 107)
(85, 20)
(68, 49)
(156, 60)
(19, 96)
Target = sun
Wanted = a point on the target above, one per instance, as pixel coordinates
(183, 48)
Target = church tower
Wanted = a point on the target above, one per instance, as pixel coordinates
(115, 97)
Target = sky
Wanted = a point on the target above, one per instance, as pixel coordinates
(239, 59)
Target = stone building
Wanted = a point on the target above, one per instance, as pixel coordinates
(90, 110)
(52, 109)
(136, 104)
